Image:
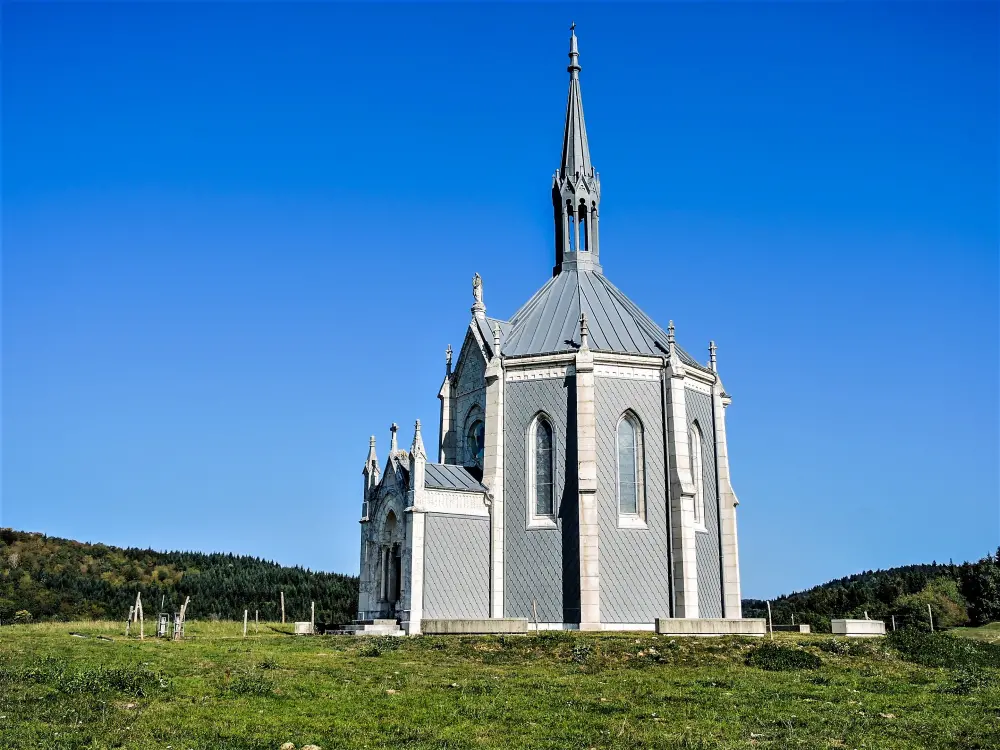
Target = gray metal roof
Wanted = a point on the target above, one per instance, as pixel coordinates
(485, 326)
(451, 477)
(550, 321)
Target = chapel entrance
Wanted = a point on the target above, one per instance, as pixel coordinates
(391, 568)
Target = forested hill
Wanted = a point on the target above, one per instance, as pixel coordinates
(958, 594)
(60, 579)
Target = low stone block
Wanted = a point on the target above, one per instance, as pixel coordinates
(483, 626)
(858, 628)
(303, 628)
(791, 628)
(710, 626)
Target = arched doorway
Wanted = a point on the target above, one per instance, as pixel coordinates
(390, 566)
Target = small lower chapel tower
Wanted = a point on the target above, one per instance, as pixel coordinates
(582, 475)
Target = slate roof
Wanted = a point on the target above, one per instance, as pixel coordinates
(485, 326)
(550, 321)
(451, 477)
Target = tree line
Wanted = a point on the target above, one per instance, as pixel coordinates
(965, 594)
(48, 578)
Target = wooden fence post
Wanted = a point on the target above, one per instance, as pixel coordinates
(282, 607)
(770, 627)
(245, 613)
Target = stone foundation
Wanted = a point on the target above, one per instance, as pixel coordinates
(474, 627)
(701, 626)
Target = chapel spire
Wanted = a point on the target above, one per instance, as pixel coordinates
(576, 187)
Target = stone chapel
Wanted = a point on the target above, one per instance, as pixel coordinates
(582, 476)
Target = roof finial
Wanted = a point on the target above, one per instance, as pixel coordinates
(417, 449)
(447, 360)
(584, 332)
(711, 356)
(478, 308)
(496, 339)
(372, 457)
(393, 446)
(670, 338)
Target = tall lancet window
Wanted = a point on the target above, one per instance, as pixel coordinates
(631, 500)
(541, 473)
(697, 475)
(584, 225)
(573, 229)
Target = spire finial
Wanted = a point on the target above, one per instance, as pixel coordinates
(447, 359)
(670, 332)
(574, 53)
(711, 356)
(584, 332)
(496, 338)
(393, 446)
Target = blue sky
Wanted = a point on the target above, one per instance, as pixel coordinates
(238, 237)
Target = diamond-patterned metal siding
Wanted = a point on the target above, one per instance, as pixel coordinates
(534, 564)
(456, 566)
(707, 544)
(633, 562)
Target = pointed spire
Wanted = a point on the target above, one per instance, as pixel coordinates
(417, 448)
(576, 187)
(584, 332)
(711, 356)
(372, 458)
(576, 152)
(393, 446)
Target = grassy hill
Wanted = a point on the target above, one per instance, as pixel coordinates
(553, 690)
(60, 579)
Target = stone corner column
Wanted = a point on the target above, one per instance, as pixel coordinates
(446, 431)
(732, 606)
(493, 469)
(586, 442)
(413, 600)
(685, 571)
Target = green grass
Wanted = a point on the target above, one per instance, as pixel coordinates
(989, 632)
(217, 690)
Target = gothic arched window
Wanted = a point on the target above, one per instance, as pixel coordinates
(475, 443)
(697, 475)
(631, 495)
(541, 472)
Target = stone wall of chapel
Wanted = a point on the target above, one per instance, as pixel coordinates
(469, 395)
(541, 564)
(456, 566)
(707, 543)
(633, 561)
